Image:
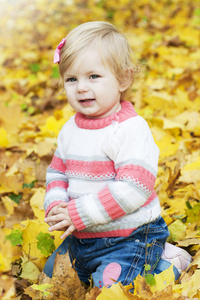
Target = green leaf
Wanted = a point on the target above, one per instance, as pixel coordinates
(55, 72)
(147, 268)
(34, 67)
(42, 288)
(110, 14)
(23, 106)
(149, 278)
(189, 206)
(15, 237)
(45, 243)
(31, 110)
(144, 18)
(197, 12)
(29, 185)
(193, 214)
(15, 198)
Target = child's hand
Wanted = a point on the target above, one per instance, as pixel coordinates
(52, 212)
(60, 220)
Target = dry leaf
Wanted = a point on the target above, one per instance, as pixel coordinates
(65, 281)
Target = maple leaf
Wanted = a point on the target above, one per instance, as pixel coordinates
(45, 243)
(65, 283)
(15, 237)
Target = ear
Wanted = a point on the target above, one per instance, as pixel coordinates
(127, 80)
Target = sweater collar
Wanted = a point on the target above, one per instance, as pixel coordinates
(127, 111)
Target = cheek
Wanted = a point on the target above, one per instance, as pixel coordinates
(69, 91)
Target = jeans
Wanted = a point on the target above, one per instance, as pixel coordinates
(123, 257)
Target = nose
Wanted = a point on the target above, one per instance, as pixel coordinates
(82, 86)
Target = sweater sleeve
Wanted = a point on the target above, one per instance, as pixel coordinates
(135, 156)
(56, 183)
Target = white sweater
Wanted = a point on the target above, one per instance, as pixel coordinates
(105, 169)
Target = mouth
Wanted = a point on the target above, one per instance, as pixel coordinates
(86, 100)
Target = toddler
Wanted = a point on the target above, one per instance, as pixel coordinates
(100, 183)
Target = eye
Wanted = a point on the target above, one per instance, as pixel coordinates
(94, 76)
(71, 79)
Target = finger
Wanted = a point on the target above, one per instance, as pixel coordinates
(63, 229)
(69, 231)
(60, 225)
(63, 205)
(56, 218)
(51, 224)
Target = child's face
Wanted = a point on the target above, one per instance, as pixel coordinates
(90, 86)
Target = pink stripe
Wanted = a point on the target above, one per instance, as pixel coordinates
(138, 173)
(110, 204)
(96, 168)
(57, 184)
(113, 233)
(125, 113)
(57, 164)
(150, 199)
(75, 215)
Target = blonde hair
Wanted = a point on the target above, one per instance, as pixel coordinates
(114, 48)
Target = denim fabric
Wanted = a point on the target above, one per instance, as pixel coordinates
(143, 246)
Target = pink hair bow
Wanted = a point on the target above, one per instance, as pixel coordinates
(57, 52)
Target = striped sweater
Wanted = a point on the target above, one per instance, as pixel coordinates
(105, 169)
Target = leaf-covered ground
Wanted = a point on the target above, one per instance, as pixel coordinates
(165, 35)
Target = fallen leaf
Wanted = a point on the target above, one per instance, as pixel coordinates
(93, 294)
(65, 281)
(29, 270)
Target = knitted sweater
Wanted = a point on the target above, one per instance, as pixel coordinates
(105, 169)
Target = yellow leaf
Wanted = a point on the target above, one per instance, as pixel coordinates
(11, 183)
(165, 142)
(52, 126)
(65, 283)
(190, 120)
(163, 279)
(13, 170)
(192, 166)
(68, 112)
(10, 294)
(43, 148)
(158, 100)
(177, 206)
(37, 203)
(170, 124)
(9, 204)
(189, 288)
(29, 270)
(156, 84)
(7, 288)
(177, 231)
(6, 253)
(31, 230)
(114, 292)
(191, 171)
(142, 289)
(3, 138)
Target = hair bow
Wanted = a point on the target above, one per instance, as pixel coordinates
(57, 52)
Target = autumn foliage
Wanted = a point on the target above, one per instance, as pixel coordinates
(165, 36)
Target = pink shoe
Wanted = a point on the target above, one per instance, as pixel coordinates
(179, 257)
